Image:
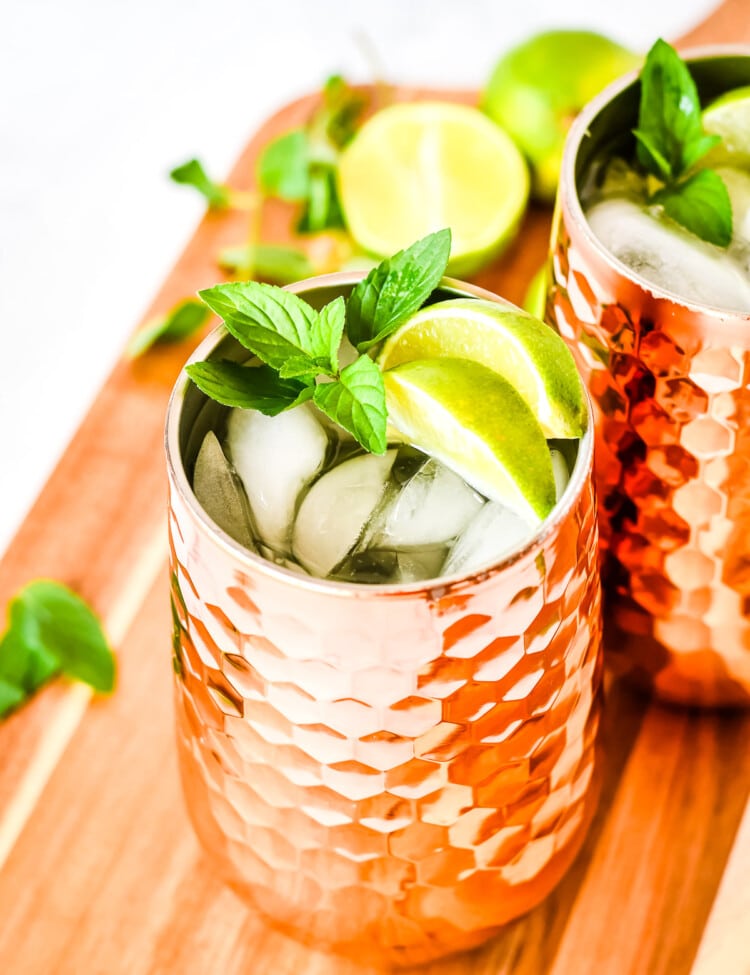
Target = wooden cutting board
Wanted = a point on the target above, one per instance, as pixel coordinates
(99, 871)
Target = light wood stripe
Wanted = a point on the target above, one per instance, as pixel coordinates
(725, 947)
(73, 703)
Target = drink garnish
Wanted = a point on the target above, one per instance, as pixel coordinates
(297, 345)
(670, 142)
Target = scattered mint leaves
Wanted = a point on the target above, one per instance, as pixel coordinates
(284, 166)
(670, 141)
(395, 289)
(356, 401)
(701, 203)
(299, 345)
(51, 630)
(343, 109)
(269, 262)
(184, 320)
(249, 387)
(193, 174)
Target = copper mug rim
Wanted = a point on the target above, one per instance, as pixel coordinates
(440, 586)
(711, 316)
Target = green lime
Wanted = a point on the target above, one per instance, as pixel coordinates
(524, 351)
(538, 88)
(535, 299)
(474, 421)
(417, 167)
(729, 117)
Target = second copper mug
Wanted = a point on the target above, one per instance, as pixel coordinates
(669, 381)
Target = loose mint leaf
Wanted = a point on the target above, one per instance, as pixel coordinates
(283, 167)
(395, 289)
(51, 630)
(322, 208)
(327, 333)
(184, 320)
(193, 174)
(268, 262)
(249, 387)
(670, 127)
(273, 324)
(701, 204)
(356, 401)
(342, 112)
(303, 367)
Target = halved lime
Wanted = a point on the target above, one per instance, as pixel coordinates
(416, 167)
(474, 421)
(524, 351)
(729, 117)
(539, 86)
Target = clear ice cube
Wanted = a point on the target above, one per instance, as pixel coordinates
(336, 509)
(433, 506)
(669, 257)
(219, 491)
(493, 533)
(275, 457)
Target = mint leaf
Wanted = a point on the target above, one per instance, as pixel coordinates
(342, 112)
(669, 117)
(327, 332)
(249, 387)
(650, 156)
(304, 367)
(701, 204)
(180, 323)
(395, 289)
(322, 207)
(273, 324)
(283, 166)
(268, 262)
(193, 174)
(58, 621)
(697, 149)
(356, 401)
(51, 630)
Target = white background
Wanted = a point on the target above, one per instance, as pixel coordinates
(100, 98)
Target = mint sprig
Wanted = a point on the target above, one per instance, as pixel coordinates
(193, 174)
(50, 631)
(670, 141)
(298, 345)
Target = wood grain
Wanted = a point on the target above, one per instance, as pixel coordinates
(101, 873)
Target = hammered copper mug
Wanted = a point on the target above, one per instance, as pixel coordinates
(670, 383)
(388, 771)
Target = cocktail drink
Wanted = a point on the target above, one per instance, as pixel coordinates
(386, 673)
(650, 286)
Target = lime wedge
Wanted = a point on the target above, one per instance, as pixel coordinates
(474, 422)
(530, 355)
(729, 117)
(416, 167)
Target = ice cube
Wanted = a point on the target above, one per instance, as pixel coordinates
(219, 491)
(335, 510)
(560, 472)
(275, 457)
(433, 506)
(669, 257)
(492, 534)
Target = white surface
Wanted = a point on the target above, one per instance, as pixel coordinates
(100, 98)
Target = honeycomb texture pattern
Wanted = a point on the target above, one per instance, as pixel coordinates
(389, 776)
(672, 408)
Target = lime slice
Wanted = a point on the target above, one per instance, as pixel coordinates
(474, 422)
(729, 117)
(524, 351)
(417, 167)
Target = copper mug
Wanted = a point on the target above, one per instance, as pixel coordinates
(669, 383)
(391, 772)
